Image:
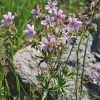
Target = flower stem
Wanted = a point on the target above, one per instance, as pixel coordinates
(84, 59)
(77, 68)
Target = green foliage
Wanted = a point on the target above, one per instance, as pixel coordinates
(72, 6)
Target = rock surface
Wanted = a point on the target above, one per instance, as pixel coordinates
(96, 40)
(27, 64)
(91, 62)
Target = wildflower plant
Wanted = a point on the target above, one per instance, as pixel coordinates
(7, 19)
(52, 38)
(52, 43)
(36, 12)
(51, 6)
(30, 32)
(48, 22)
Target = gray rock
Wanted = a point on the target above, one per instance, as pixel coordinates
(27, 64)
(96, 41)
(90, 62)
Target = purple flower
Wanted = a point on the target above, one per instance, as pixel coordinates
(58, 15)
(96, 78)
(51, 6)
(48, 22)
(65, 30)
(36, 12)
(74, 24)
(48, 43)
(65, 37)
(64, 40)
(7, 19)
(30, 32)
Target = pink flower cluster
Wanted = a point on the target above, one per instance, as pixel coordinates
(30, 32)
(54, 19)
(58, 15)
(48, 22)
(36, 12)
(7, 19)
(65, 37)
(48, 43)
(74, 24)
(51, 6)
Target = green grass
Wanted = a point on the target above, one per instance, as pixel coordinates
(20, 7)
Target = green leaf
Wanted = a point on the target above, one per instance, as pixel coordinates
(60, 80)
(40, 78)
